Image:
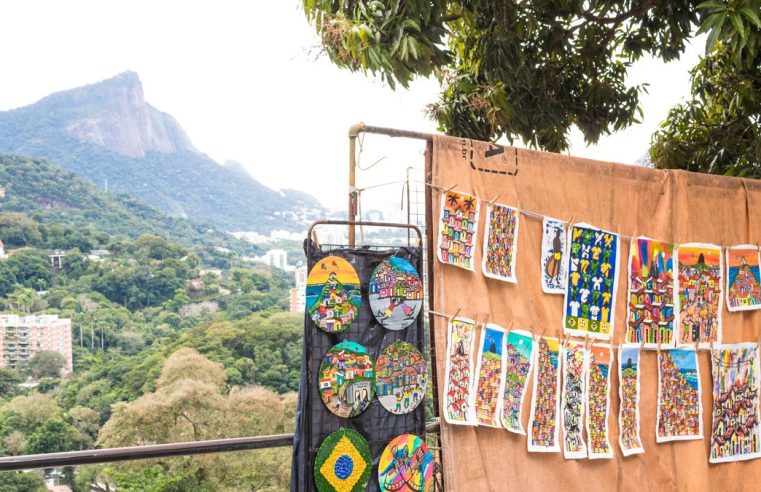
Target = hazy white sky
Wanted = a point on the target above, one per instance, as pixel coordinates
(245, 80)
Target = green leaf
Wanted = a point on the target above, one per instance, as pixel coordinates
(752, 16)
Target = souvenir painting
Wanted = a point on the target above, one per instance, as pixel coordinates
(679, 415)
(735, 431)
(500, 242)
(489, 372)
(572, 401)
(628, 393)
(333, 294)
(650, 307)
(519, 358)
(600, 358)
(459, 372)
(545, 402)
(743, 278)
(554, 268)
(590, 296)
(699, 297)
(406, 465)
(457, 229)
(342, 463)
(396, 293)
(400, 377)
(347, 379)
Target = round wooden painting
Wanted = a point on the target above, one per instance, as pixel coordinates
(342, 463)
(347, 379)
(396, 293)
(406, 465)
(400, 377)
(333, 294)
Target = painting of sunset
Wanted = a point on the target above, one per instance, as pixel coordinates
(699, 293)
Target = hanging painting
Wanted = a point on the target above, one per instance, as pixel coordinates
(545, 402)
(628, 393)
(743, 278)
(500, 242)
(572, 401)
(333, 294)
(679, 415)
(590, 296)
(519, 357)
(699, 298)
(489, 373)
(554, 268)
(406, 465)
(347, 379)
(598, 401)
(650, 310)
(400, 377)
(342, 463)
(459, 372)
(457, 229)
(396, 293)
(735, 433)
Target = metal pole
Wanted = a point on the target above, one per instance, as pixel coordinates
(352, 212)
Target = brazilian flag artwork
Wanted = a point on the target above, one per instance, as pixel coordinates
(342, 463)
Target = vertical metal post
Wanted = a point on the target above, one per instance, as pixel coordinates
(409, 213)
(352, 212)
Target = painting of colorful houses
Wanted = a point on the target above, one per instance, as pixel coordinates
(457, 229)
(458, 377)
(545, 402)
(396, 293)
(743, 278)
(400, 377)
(489, 373)
(679, 413)
(333, 294)
(519, 349)
(347, 379)
(699, 297)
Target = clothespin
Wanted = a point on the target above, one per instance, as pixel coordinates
(659, 347)
(510, 326)
(455, 315)
(493, 200)
(449, 189)
(566, 339)
(697, 345)
(542, 335)
(571, 219)
(642, 343)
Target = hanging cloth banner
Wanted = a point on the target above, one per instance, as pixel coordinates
(519, 360)
(500, 253)
(490, 371)
(545, 402)
(600, 358)
(573, 399)
(743, 278)
(679, 415)
(554, 269)
(699, 299)
(628, 393)
(458, 377)
(458, 229)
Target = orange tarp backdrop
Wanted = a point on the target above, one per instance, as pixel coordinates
(669, 205)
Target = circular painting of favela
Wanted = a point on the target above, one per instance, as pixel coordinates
(347, 379)
(333, 294)
(400, 377)
(396, 293)
(406, 465)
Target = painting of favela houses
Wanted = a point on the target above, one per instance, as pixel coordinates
(347, 379)
(457, 229)
(333, 294)
(743, 278)
(400, 377)
(679, 415)
(458, 376)
(519, 348)
(598, 401)
(628, 394)
(490, 371)
(396, 293)
(545, 402)
(699, 298)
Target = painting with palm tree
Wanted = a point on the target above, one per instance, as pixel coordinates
(457, 229)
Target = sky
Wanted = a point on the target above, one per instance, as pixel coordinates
(247, 82)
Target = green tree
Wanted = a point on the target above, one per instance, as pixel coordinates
(46, 364)
(9, 381)
(54, 436)
(21, 482)
(30, 267)
(18, 230)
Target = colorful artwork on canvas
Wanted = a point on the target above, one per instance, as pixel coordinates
(590, 296)
(519, 352)
(458, 376)
(735, 428)
(628, 393)
(650, 307)
(342, 463)
(679, 415)
(598, 401)
(572, 401)
(743, 278)
(406, 465)
(347, 379)
(554, 268)
(333, 294)
(545, 402)
(489, 373)
(699, 298)
(395, 293)
(458, 229)
(400, 377)
(500, 242)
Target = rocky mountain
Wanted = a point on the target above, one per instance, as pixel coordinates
(109, 134)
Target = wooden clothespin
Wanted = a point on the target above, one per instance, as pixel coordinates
(566, 339)
(454, 315)
(510, 326)
(493, 200)
(449, 189)
(542, 334)
(571, 220)
(642, 343)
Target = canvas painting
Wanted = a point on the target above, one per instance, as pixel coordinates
(590, 296)
(400, 377)
(572, 401)
(347, 379)
(743, 278)
(735, 433)
(458, 376)
(519, 350)
(333, 294)
(545, 402)
(489, 373)
(699, 297)
(406, 465)
(628, 393)
(650, 310)
(554, 268)
(600, 358)
(679, 415)
(395, 292)
(458, 227)
(343, 462)
(500, 242)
